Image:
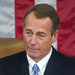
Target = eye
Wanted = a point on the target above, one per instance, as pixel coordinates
(41, 35)
(28, 33)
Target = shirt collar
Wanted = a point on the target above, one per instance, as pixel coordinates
(41, 64)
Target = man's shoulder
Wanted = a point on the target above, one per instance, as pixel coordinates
(63, 58)
(13, 57)
(60, 60)
(10, 64)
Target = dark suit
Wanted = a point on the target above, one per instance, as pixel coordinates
(18, 65)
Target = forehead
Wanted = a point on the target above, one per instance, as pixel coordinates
(32, 22)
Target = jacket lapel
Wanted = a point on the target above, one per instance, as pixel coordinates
(54, 65)
(22, 66)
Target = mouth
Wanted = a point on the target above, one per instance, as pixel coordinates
(33, 49)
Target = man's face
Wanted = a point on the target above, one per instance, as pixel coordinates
(37, 36)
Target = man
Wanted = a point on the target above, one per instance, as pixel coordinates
(41, 24)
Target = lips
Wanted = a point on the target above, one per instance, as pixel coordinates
(33, 49)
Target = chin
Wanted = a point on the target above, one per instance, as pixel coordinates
(34, 56)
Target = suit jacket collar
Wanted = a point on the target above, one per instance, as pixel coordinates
(22, 66)
(54, 64)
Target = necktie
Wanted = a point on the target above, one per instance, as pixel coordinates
(35, 68)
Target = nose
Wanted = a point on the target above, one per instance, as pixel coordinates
(33, 40)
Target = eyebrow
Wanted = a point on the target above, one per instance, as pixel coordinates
(41, 33)
(27, 30)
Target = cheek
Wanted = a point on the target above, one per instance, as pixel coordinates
(26, 40)
(45, 45)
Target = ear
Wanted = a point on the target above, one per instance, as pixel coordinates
(55, 35)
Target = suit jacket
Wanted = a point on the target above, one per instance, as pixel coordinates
(17, 64)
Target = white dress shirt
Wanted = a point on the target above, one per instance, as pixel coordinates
(41, 64)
